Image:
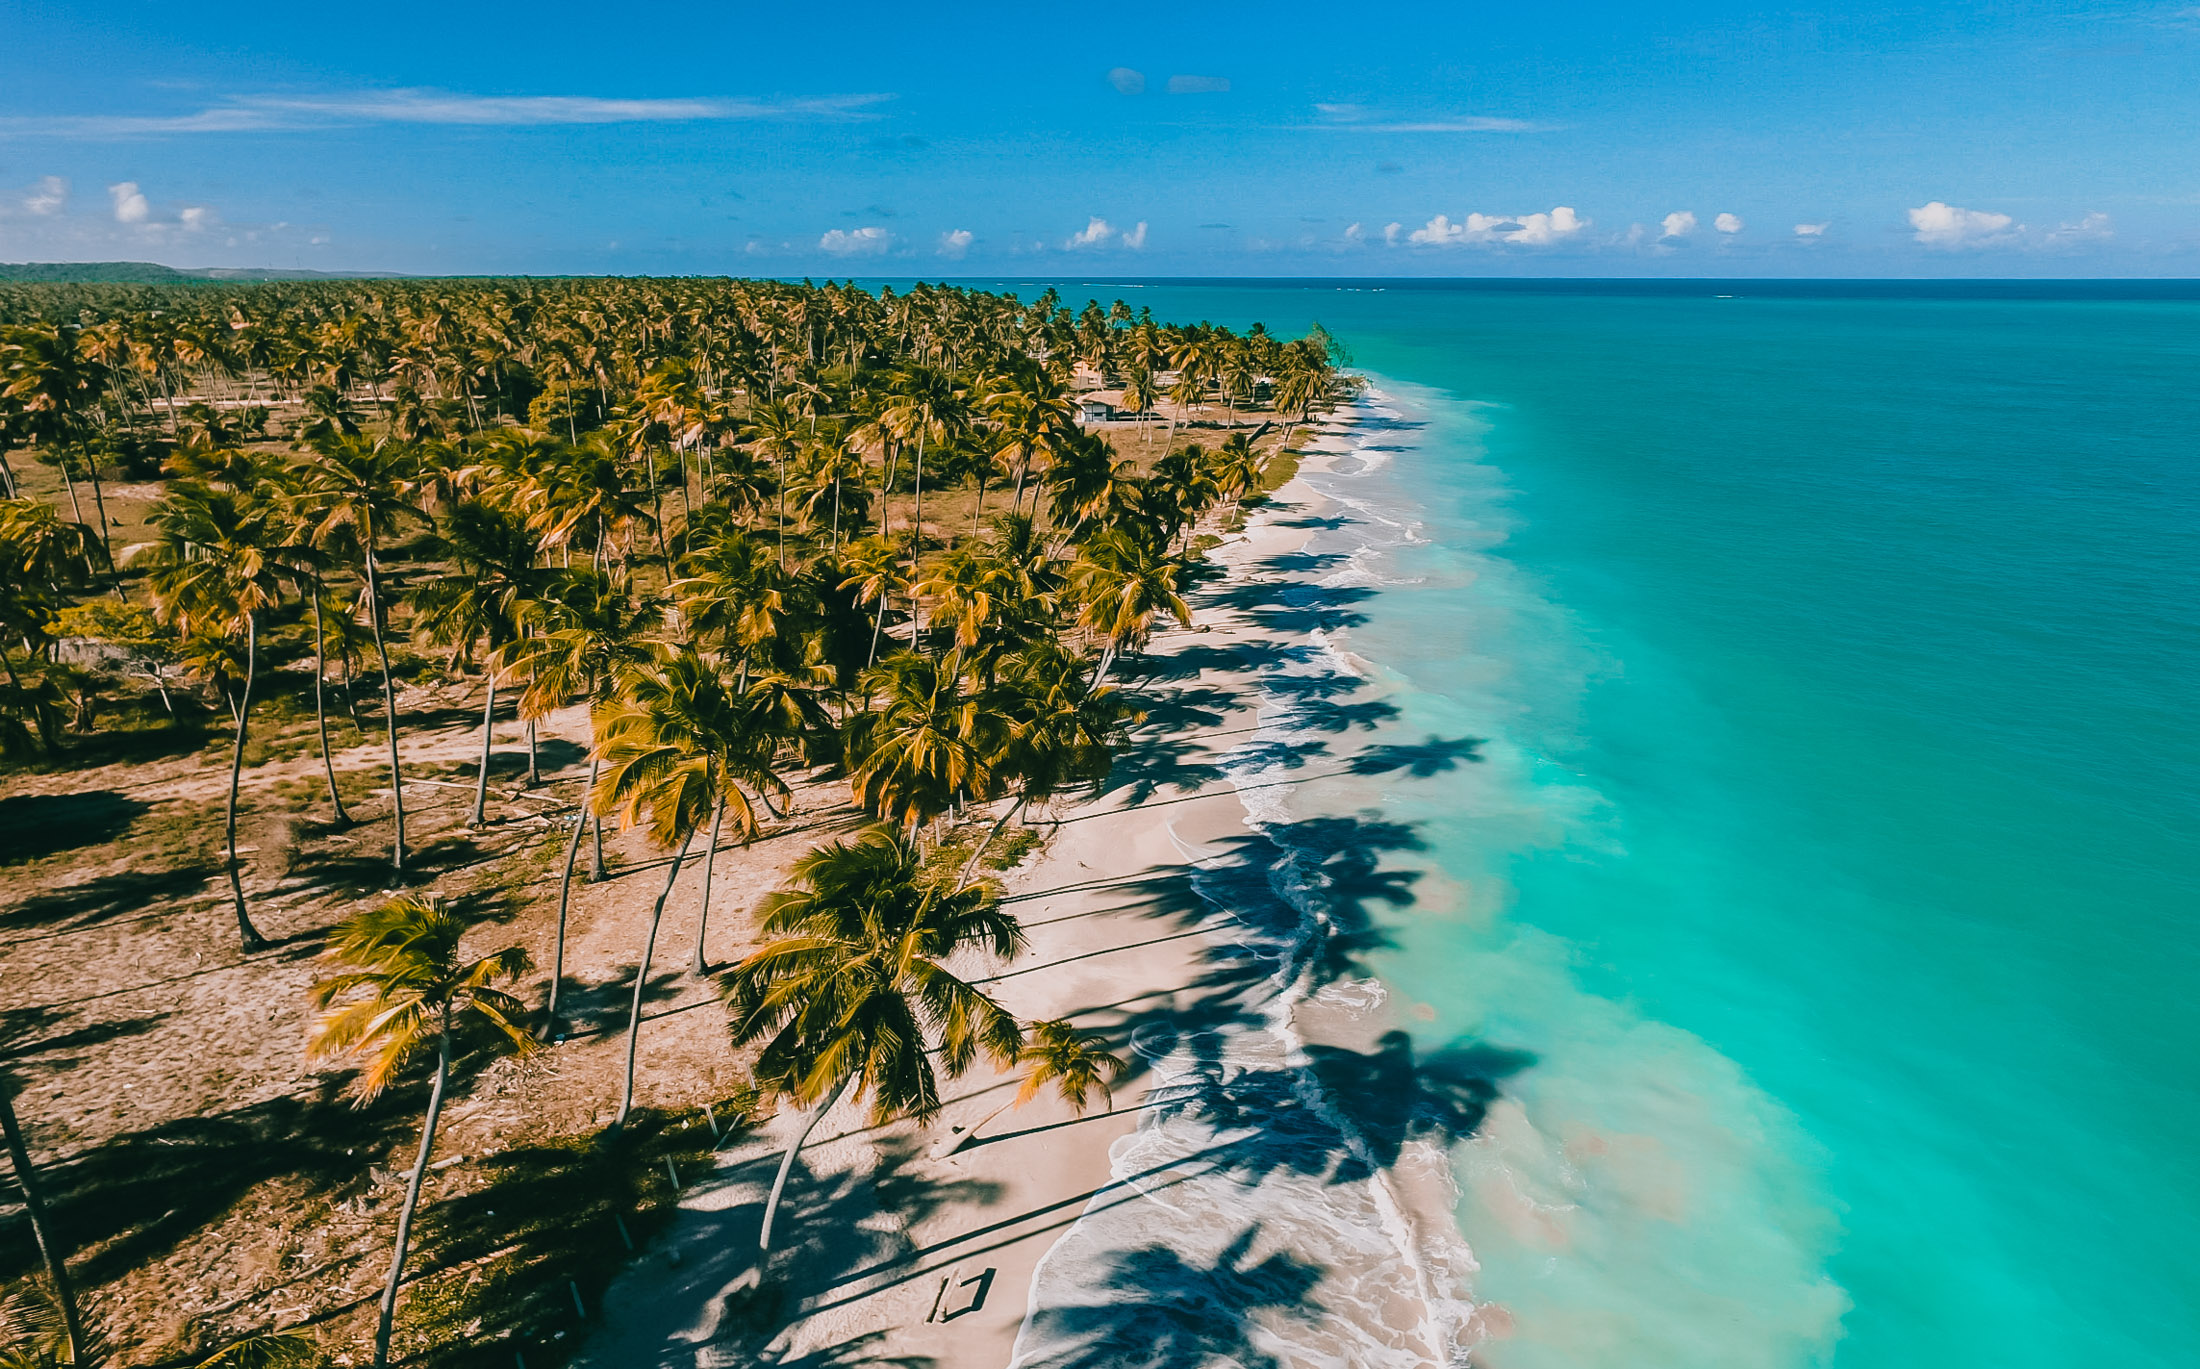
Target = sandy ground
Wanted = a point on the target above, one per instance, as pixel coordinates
(889, 1255)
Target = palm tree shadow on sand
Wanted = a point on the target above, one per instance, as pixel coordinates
(1155, 1309)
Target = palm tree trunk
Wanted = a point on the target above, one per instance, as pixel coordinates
(565, 901)
(972, 867)
(641, 979)
(701, 965)
(320, 706)
(955, 1141)
(106, 552)
(917, 515)
(779, 1182)
(1107, 658)
(253, 941)
(34, 1203)
(7, 475)
(488, 738)
(595, 857)
(534, 759)
(389, 714)
(412, 1196)
(878, 628)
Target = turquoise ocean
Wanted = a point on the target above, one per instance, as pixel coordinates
(1797, 783)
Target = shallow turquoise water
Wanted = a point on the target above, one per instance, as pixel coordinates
(1834, 845)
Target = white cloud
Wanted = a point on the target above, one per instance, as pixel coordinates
(1529, 230)
(52, 193)
(196, 218)
(1360, 119)
(267, 113)
(1728, 223)
(1355, 234)
(1390, 233)
(1127, 81)
(1678, 224)
(2092, 228)
(1811, 230)
(1199, 85)
(956, 242)
(1944, 225)
(856, 242)
(1098, 232)
(130, 203)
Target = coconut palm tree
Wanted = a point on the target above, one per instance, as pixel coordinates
(1075, 1063)
(50, 1250)
(677, 747)
(1121, 584)
(215, 572)
(853, 992)
(928, 740)
(408, 993)
(362, 488)
(579, 636)
(875, 576)
(1060, 736)
(493, 554)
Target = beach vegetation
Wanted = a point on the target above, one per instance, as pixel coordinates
(760, 559)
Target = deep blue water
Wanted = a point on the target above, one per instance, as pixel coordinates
(1833, 848)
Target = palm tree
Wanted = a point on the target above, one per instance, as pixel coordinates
(1061, 734)
(50, 1250)
(215, 573)
(1078, 1064)
(677, 746)
(875, 575)
(363, 488)
(493, 563)
(929, 740)
(409, 991)
(1121, 584)
(853, 991)
(305, 564)
(580, 635)
(925, 405)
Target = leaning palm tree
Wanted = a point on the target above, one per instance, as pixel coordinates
(409, 992)
(677, 746)
(364, 488)
(1121, 584)
(853, 991)
(1077, 1064)
(50, 1250)
(581, 633)
(214, 574)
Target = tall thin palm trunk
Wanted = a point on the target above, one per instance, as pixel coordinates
(250, 935)
(565, 902)
(34, 1204)
(786, 1164)
(388, 1313)
(641, 979)
(488, 739)
(320, 706)
(389, 714)
(701, 964)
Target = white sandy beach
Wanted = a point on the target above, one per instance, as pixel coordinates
(886, 1252)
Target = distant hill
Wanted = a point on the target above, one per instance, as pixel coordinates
(152, 273)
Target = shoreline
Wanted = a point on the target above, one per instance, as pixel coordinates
(980, 1259)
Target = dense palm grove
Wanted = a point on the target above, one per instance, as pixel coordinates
(697, 507)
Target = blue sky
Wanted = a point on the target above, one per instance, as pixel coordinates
(2026, 139)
